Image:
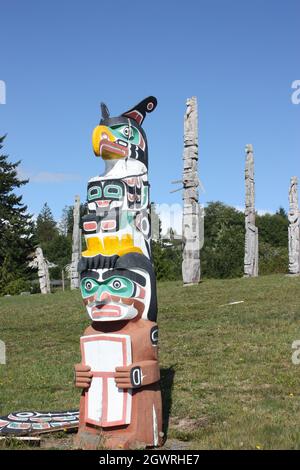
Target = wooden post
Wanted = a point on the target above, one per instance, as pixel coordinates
(294, 229)
(251, 235)
(63, 279)
(191, 210)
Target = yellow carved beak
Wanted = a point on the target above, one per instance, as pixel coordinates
(105, 144)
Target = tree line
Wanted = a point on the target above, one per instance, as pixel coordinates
(222, 254)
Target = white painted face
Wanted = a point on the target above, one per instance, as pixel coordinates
(111, 295)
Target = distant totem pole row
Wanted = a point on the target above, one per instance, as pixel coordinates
(120, 406)
(251, 236)
(191, 223)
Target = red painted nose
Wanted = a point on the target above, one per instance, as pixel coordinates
(104, 296)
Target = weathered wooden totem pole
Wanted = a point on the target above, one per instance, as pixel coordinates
(40, 263)
(294, 229)
(191, 210)
(120, 404)
(251, 231)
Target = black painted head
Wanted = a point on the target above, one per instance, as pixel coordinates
(123, 136)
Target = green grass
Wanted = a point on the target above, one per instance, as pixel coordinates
(227, 373)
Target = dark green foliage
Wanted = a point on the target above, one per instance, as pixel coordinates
(223, 250)
(167, 261)
(272, 259)
(57, 247)
(16, 227)
(273, 228)
(17, 286)
(59, 251)
(46, 229)
(222, 255)
(273, 242)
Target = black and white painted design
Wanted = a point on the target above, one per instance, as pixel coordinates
(154, 335)
(34, 422)
(136, 377)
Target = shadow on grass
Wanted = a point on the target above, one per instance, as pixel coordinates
(166, 383)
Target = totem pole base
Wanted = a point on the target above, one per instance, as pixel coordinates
(143, 431)
(87, 441)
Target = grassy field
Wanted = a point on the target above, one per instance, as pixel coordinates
(227, 374)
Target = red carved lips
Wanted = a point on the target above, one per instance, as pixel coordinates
(106, 311)
(110, 149)
(103, 203)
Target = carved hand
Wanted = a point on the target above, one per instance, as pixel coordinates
(83, 376)
(138, 374)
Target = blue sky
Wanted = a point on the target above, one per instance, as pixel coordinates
(59, 59)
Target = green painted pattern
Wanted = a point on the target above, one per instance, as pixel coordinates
(115, 285)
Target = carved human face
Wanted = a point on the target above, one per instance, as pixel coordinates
(112, 294)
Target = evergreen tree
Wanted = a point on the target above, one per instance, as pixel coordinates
(273, 228)
(223, 251)
(16, 227)
(46, 229)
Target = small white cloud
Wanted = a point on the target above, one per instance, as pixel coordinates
(48, 177)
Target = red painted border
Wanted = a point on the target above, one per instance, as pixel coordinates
(105, 375)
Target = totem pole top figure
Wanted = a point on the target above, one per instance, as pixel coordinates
(122, 138)
(118, 200)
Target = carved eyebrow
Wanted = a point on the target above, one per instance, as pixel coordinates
(92, 274)
(125, 273)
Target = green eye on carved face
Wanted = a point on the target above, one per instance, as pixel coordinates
(113, 191)
(128, 132)
(94, 192)
(88, 287)
(115, 285)
(120, 286)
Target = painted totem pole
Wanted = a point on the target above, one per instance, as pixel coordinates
(76, 245)
(120, 404)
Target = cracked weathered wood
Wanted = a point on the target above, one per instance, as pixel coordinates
(251, 235)
(294, 228)
(191, 211)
